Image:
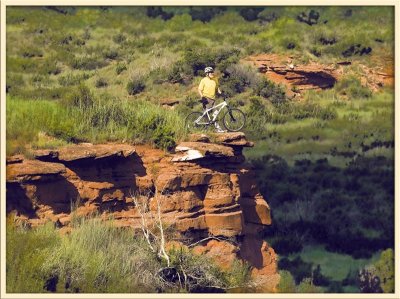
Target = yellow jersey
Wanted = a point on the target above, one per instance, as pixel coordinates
(208, 87)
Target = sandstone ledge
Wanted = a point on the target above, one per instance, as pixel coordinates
(29, 170)
(85, 151)
(224, 147)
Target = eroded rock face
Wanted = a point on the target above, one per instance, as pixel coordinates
(290, 73)
(299, 77)
(204, 189)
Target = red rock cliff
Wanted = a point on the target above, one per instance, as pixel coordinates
(206, 189)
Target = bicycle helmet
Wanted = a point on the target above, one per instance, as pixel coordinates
(209, 69)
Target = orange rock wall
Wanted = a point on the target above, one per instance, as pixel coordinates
(211, 193)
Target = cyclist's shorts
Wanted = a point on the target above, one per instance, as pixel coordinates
(207, 102)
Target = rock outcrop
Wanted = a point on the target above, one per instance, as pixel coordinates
(205, 189)
(298, 77)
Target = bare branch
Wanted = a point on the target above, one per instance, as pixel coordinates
(210, 238)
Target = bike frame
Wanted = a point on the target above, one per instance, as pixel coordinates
(217, 108)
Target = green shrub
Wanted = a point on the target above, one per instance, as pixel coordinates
(179, 73)
(154, 12)
(250, 13)
(136, 85)
(73, 79)
(101, 82)
(120, 68)
(274, 93)
(257, 116)
(204, 14)
(286, 282)
(239, 77)
(270, 14)
(351, 87)
(328, 113)
(306, 110)
(42, 93)
(205, 274)
(80, 97)
(198, 59)
(14, 82)
(28, 52)
(86, 34)
(110, 54)
(82, 261)
(119, 38)
(87, 62)
(27, 250)
(164, 138)
(298, 268)
(226, 56)
(26, 118)
(105, 112)
(21, 65)
(307, 286)
(385, 270)
(80, 41)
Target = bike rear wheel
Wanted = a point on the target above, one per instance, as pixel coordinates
(234, 120)
(190, 122)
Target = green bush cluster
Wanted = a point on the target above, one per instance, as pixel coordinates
(120, 68)
(203, 14)
(378, 277)
(351, 87)
(197, 58)
(239, 77)
(81, 116)
(87, 62)
(111, 54)
(98, 257)
(136, 85)
(73, 79)
(81, 97)
(335, 206)
(101, 82)
(274, 93)
(310, 109)
(288, 285)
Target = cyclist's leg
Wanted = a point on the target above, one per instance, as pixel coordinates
(207, 104)
(204, 102)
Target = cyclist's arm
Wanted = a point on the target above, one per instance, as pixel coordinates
(217, 86)
(201, 87)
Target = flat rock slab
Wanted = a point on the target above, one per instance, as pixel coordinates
(14, 159)
(230, 138)
(31, 170)
(233, 138)
(85, 151)
(189, 151)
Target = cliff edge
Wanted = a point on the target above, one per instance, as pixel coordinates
(205, 189)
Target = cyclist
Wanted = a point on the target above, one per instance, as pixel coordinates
(207, 89)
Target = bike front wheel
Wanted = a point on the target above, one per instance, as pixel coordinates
(195, 122)
(234, 120)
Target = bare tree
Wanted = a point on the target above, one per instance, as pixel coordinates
(150, 222)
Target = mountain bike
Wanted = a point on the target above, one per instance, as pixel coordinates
(233, 119)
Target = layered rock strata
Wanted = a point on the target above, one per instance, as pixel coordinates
(205, 190)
